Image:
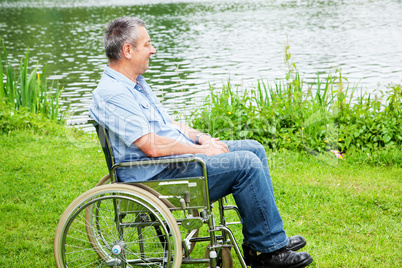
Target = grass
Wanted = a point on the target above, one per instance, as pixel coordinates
(349, 213)
(40, 176)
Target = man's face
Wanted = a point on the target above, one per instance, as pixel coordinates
(142, 52)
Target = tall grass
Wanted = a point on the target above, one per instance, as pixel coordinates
(319, 117)
(23, 88)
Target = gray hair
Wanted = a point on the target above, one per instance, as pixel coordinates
(119, 32)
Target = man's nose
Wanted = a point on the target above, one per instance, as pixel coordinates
(153, 50)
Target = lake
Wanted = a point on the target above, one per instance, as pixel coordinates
(207, 42)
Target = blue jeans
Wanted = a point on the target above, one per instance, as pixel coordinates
(244, 173)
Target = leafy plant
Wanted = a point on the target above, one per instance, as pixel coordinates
(12, 120)
(326, 116)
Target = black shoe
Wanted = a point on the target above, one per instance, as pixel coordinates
(282, 258)
(295, 243)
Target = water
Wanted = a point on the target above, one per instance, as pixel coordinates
(202, 42)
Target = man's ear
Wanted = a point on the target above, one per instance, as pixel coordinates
(127, 50)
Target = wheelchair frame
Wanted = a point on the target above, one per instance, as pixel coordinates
(148, 206)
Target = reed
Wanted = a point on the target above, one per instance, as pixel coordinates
(23, 88)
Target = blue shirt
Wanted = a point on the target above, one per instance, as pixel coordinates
(129, 111)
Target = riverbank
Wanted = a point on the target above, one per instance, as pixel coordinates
(349, 213)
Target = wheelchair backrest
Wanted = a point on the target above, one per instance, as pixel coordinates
(169, 191)
(103, 135)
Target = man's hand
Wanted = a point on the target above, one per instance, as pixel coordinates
(212, 146)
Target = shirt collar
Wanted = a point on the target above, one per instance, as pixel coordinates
(122, 78)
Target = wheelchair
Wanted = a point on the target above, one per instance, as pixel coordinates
(144, 224)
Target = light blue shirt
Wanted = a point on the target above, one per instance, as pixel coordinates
(129, 111)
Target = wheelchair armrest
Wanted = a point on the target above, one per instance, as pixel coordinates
(175, 159)
(168, 160)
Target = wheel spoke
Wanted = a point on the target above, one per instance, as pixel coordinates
(142, 233)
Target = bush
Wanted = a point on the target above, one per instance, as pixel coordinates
(372, 123)
(326, 118)
(13, 120)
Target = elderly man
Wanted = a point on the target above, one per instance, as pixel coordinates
(140, 128)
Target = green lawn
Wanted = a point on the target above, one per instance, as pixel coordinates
(350, 214)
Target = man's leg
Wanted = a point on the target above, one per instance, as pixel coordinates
(256, 148)
(295, 242)
(242, 174)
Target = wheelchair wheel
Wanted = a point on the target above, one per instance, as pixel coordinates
(129, 228)
(105, 180)
(225, 259)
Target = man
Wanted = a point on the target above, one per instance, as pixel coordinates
(140, 129)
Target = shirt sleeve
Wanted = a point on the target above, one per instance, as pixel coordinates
(122, 115)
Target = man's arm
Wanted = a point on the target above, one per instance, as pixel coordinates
(203, 138)
(154, 145)
(192, 133)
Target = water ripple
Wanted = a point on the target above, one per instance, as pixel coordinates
(203, 42)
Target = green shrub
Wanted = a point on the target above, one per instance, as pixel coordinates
(324, 117)
(15, 120)
(373, 122)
